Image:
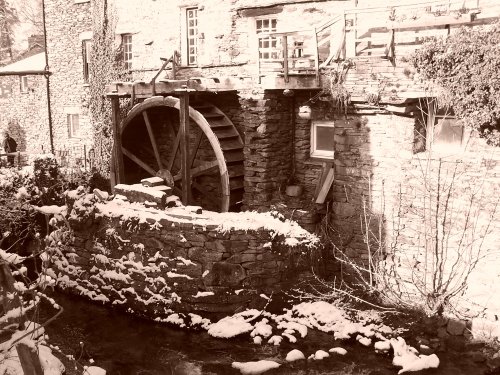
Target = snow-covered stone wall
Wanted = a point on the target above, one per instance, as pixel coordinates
(158, 261)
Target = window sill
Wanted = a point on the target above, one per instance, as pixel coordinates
(314, 160)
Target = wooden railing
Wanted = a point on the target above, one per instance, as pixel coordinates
(361, 32)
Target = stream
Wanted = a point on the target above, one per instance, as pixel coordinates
(124, 345)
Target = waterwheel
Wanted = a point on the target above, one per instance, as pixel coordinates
(150, 140)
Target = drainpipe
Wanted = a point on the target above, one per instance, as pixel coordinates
(49, 109)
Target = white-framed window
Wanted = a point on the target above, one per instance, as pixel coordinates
(322, 133)
(127, 50)
(268, 45)
(192, 36)
(23, 84)
(73, 122)
(86, 48)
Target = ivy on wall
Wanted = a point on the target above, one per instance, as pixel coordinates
(466, 66)
(104, 69)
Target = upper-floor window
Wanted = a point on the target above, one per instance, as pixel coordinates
(127, 50)
(23, 84)
(192, 35)
(86, 47)
(267, 44)
(322, 133)
(73, 122)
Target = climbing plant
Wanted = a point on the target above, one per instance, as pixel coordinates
(466, 66)
(104, 69)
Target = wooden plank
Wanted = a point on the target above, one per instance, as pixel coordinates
(316, 56)
(152, 139)
(30, 361)
(326, 187)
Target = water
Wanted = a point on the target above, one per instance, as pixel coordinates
(125, 345)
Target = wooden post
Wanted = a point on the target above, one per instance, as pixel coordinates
(184, 129)
(18, 160)
(30, 361)
(117, 139)
(316, 55)
(284, 42)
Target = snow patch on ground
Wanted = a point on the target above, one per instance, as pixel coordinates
(295, 355)
(255, 368)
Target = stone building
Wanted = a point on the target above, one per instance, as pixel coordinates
(23, 103)
(266, 72)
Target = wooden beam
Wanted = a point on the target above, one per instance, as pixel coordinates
(177, 141)
(184, 131)
(138, 161)
(30, 361)
(117, 139)
(284, 42)
(153, 139)
(199, 170)
(326, 187)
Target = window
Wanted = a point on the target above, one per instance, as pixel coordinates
(267, 44)
(446, 131)
(73, 121)
(127, 50)
(192, 35)
(322, 139)
(23, 83)
(86, 47)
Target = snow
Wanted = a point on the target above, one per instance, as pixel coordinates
(320, 354)
(51, 365)
(363, 340)
(275, 340)
(255, 368)
(203, 294)
(262, 328)
(294, 355)
(10, 257)
(229, 327)
(141, 189)
(50, 210)
(382, 346)
(94, 370)
(423, 362)
(408, 359)
(338, 350)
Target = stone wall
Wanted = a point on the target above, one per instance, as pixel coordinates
(67, 23)
(155, 261)
(24, 115)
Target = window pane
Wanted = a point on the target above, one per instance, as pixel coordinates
(324, 138)
(446, 131)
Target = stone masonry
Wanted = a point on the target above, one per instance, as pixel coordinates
(155, 261)
(24, 115)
